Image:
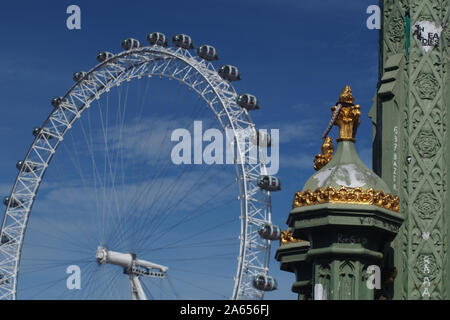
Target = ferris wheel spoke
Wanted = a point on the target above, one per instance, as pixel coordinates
(88, 270)
(111, 283)
(203, 231)
(95, 171)
(119, 158)
(210, 244)
(41, 273)
(147, 291)
(75, 160)
(159, 285)
(45, 267)
(108, 172)
(46, 285)
(215, 293)
(97, 281)
(164, 213)
(89, 282)
(142, 193)
(61, 249)
(61, 235)
(169, 281)
(57, 261)
(138, 115)
(222, 256)
(208, 274)
(181, 241)
(50, 220)
(194, 213)
(160, 214)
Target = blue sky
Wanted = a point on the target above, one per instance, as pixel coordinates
(295, 56)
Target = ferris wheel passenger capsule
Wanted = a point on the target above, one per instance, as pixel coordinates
(269, 232)
(269, 183)
(264, 283)
(5, 239)
(130, 43)
(36, 131)
(183, 41)
(229, 73)
(3, 279)
(158, 39)
(103, 56)
(207, 53)
(56, 102)
(11, 202)
(45, 133)
(78, 76)
(25, 167)
(247, 101)
(262, 138)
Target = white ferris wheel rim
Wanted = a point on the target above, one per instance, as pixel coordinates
(108, 74)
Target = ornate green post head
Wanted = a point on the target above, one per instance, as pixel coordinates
(343, 177)
(345, 213)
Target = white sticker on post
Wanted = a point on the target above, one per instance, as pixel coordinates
(427, 33)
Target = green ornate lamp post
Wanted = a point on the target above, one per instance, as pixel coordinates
(347, 216)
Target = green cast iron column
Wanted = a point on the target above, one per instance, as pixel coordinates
(346, 240)
(293, 257)
(411, 119)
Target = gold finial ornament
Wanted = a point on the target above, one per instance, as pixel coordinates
(286, 237)
(327, 154)
(346, 96)
(348, 115)
(345, 115)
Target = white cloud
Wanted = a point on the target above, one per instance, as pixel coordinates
(142, 140)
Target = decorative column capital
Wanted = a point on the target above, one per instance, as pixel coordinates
(348, 117)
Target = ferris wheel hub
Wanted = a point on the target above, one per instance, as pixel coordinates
(129, 262)
(101, 255)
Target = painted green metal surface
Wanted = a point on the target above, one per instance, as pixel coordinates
(345, 170)
(345, 239)
(293, 257)
(411, 119)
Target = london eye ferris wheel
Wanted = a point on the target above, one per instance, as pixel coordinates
(114, 205)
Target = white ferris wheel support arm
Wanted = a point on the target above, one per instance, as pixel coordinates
(137, 293)
(133, 267)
